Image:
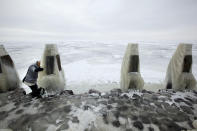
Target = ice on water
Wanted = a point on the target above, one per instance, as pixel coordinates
(93, 64)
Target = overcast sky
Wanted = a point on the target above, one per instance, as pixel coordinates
(166, 20)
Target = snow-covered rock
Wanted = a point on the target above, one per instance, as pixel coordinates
(116, 110)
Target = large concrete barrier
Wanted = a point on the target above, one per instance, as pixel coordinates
(9, 79)
(52, 77)
(179, 73)
(130, 70)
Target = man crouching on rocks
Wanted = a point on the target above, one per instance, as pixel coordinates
(31, 79)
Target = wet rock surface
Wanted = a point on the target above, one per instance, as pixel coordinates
(95, 111)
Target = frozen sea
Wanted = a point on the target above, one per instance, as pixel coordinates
(93, 64)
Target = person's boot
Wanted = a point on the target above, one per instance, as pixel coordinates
(24, 93)
(32, 94)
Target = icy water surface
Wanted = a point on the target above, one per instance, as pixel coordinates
(89, 64)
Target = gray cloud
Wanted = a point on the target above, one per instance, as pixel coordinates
(98, 20)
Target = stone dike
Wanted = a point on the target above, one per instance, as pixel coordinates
(133, 110)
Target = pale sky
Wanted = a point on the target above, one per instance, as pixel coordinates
(155, 20)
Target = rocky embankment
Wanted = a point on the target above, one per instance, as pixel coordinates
(95, 111)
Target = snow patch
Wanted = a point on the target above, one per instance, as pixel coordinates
(131, 93)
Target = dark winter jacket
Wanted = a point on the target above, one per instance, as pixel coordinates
(32, 74)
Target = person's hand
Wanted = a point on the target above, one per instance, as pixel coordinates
(39, 69)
